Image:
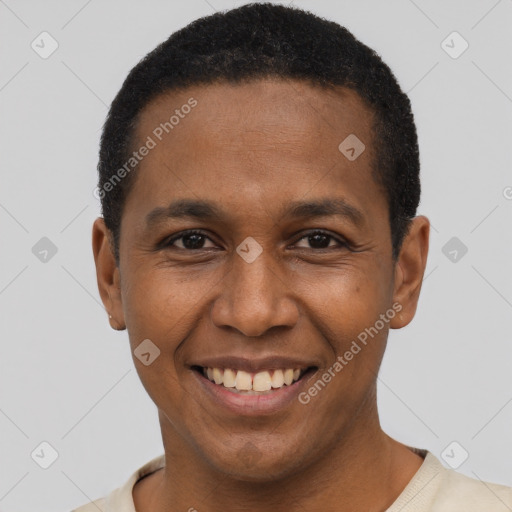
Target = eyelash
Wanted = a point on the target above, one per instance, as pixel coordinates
(168, 242)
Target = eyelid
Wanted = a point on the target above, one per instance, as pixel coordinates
(169, 241)
(338, 238)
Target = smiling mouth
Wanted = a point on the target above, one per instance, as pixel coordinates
(263, 382)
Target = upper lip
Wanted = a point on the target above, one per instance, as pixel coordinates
(253, 365)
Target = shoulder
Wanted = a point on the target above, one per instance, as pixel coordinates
(121, 498)
(436, 488)
(472, 494)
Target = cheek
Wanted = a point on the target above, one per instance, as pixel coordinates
(345, 308)
(158, 304)
(345, 300)
(159, 309)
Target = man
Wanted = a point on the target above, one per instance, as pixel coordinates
(259, 178)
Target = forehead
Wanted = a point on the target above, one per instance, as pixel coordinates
(265, 141)
(254, 110)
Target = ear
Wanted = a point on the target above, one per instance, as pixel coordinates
(107, 273)
(409, 271)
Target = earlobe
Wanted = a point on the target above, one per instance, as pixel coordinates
(409, 271)
(107, 274)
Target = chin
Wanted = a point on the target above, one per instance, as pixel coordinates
(252, 464)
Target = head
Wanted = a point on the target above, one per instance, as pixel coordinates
(289, 149)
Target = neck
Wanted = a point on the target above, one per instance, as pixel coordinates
(364, 470)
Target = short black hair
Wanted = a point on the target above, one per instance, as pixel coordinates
(263, 40)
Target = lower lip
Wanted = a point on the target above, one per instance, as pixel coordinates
(253, 405)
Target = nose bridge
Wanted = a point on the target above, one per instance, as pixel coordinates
(252, 279)
(254, 297)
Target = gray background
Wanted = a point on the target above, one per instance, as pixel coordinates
(68, 379)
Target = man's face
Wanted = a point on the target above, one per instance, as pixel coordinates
(253, 151)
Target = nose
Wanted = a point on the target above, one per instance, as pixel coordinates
(255, 298)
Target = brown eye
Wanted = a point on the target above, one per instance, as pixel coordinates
(190, 240)
(322, 240)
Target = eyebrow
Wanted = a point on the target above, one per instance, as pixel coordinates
(207, 210)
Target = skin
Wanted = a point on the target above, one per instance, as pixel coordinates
(252, 149)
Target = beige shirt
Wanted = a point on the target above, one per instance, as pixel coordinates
(433, 488)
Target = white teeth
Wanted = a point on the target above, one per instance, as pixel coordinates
(243, 381)
(288, 377)
(218, 376)
(262, 381)
(277, 379)
(229, 378)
